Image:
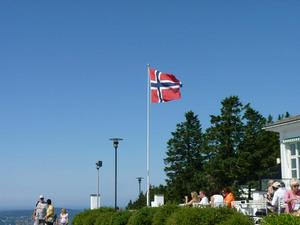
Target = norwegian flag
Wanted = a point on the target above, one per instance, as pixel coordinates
(164, 87)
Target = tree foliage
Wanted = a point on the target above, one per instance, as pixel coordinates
(185, 157)
(235, 150)
(223, 138)
(258, 149)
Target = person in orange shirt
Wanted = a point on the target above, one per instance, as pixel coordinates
(228, 196)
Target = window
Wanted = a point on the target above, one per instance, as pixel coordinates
(295, 159)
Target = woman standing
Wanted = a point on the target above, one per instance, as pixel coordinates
(50, 213)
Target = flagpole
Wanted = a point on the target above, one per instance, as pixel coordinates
(148, 136)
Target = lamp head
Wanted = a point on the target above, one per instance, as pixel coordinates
(140, 178)
(116, 142)
(98, 164)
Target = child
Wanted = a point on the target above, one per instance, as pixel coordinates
(63, 217)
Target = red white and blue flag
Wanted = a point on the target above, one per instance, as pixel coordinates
(164, 87)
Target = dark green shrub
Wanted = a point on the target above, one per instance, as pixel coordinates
(85, 218)
(237, 219)
(105, 218)
(203, 216)
(78, 218)
(89, 217)
(142, 217)
(283, 219)
(121, 218)
(163, 213)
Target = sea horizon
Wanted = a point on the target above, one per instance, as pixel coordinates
(24, 216)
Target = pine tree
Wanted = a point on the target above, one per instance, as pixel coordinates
(258, 150)
(185, 158)
(223, 139)
(287, 115)
(140, 202)
(270, 119)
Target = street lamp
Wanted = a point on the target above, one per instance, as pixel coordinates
(116, 145)
(98, 166)
(140, 180)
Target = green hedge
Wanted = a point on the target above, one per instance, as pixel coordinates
(283, 219)
(89, 217)
(207, 216)
(143, 216)
(121, 218)
(164, 212)
(237, 219)
(166, 215)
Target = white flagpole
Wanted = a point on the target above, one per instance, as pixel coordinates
(148, 136)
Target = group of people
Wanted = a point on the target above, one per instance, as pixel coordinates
(218, 199)
(283, 200)
(44, 214)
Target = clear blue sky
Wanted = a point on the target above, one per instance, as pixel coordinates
(73, 74)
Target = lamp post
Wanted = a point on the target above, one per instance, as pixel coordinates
(116, 145)
(139, 180)
(98, 166)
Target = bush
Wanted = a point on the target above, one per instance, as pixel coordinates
(237, 219)
(203, 216)
(78, 218)
(105, 218)
(143, 216)
(283, 219)
(173, 215)
(163, 213)
(89, 217)
(121, 218)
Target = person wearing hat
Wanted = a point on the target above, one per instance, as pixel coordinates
(34, 215)
(278, 198)
(292, 198)
(40, 211)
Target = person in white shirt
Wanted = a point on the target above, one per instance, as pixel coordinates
(278, 198)
(217, 200)
(204, 199)
(40, 211)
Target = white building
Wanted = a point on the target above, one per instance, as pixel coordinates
(94, 201)
(289, 130)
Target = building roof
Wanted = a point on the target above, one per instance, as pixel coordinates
(285, 121)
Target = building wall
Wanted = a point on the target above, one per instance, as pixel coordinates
(287, 132)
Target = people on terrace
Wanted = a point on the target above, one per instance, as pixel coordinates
(203, 198)
(270, 191)
(228, 196)
(216, 200)
(194, 199)
(278, 198)
(292, 198)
